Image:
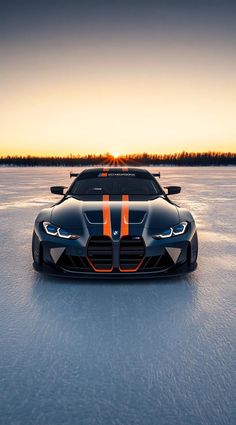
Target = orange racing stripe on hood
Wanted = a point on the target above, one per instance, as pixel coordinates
(106, 216)
(124, 228)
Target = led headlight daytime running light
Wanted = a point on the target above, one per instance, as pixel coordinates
(52, 230)
(180, 228)
(177, 230)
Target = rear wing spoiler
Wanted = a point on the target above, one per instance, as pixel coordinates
(156, 174)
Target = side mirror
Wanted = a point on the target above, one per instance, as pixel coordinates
(58, 190)
(172, 190)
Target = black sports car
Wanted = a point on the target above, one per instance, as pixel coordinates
(115, 222)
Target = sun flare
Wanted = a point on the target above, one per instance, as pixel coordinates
(115, 154)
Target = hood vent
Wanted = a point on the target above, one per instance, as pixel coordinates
(96, 217)
(136, 217)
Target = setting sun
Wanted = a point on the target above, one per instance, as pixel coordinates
(115, 155)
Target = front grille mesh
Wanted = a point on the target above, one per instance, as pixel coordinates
(132, 251)
(100, 257)
(100, 253)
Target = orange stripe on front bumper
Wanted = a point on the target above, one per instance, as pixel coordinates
(99, 270)
(132, 270)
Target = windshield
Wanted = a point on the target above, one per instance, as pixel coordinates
(113, 185)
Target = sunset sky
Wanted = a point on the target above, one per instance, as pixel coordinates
(124, 77)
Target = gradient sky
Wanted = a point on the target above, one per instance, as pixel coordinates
(124, 77)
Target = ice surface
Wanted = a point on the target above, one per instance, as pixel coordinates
(141, 353)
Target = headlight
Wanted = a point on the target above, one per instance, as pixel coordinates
(179, 229)
(52, 230)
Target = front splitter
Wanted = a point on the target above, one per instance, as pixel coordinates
(62, 273)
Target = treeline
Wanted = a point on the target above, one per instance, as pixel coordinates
(144, 159)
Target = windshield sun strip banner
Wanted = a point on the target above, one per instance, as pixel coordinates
(104, 172)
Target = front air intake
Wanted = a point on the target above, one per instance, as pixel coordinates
(132, 252)
(100, 253)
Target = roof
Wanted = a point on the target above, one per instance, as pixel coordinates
(115, 170)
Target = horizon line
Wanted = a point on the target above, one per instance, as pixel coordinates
(124, 155)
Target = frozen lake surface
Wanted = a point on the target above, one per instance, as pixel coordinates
(118, 353)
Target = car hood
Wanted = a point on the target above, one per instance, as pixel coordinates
(156, 214)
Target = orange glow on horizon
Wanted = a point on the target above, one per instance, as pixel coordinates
(123, 98)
